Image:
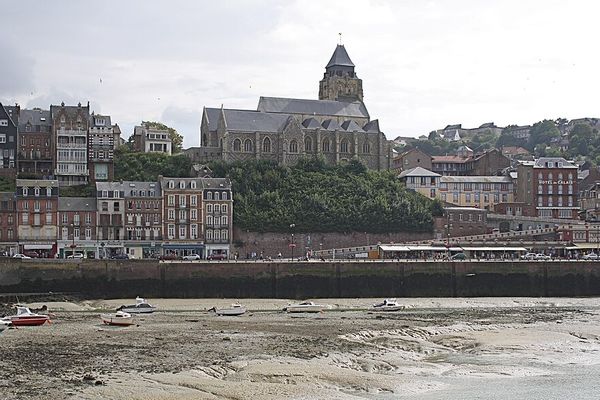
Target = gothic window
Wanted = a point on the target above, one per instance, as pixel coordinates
(366, 148)
(266, 145)
(325, 145)
(248, 145)
(308, 144)
(344, 146)
(293, 146)
(237, 145)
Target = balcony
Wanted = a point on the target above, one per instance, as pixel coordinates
(71, 132)
(60, 146)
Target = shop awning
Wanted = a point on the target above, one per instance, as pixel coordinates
(393, 247)
(494, 248)
(585, 246)
(182, 246)
(37, 247)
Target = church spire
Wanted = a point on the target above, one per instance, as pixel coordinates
(340, 81)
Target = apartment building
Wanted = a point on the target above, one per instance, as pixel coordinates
(110, 230)
(218, 221)
(8, 227)
(77, 227)
(422, 181)
(143, 219)
(70, 142)
(476, 191)
(8, 140)
(148, 139)
(37, 205)
(103, 139)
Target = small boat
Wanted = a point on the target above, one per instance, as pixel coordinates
(4, 325)
(120, 318)
(25, 317)
(234, 310)
(305, 307)
(388, 305)
(141, 306)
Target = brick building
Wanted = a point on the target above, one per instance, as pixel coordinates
(110, 203)
(36, 156)
(37, 205)
(143, 219)
(550, 185)
(103, 139)
(491, 162)
(77, 227)
(411, 159)
(8, 226)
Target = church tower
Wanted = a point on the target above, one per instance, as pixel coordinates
(340, 82)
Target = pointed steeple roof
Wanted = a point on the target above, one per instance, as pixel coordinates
(340, 58)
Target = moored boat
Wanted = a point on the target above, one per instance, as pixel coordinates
(141, 306)
(235, 310)
(305, 307)
(388, 305)
(120, 318)
(25, 317)
(4, 325)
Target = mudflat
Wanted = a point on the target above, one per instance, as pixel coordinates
(435, 348)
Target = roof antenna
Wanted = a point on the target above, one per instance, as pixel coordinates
(340, 38)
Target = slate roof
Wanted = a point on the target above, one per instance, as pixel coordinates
(212, 115)
(541, 162)
(77, 204)
(351, 126)
(372, 126)
(254, 121)
(340, 57)
(34, 117)
(71, 111)
(331, 125)
(312, 107)
(476, 179)
(128, 186)
(11, 112)
(107, 121)
(311, 123)
(216, 183)
(418, 171)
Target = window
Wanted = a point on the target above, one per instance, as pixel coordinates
(224, 234)
(209, 196)
(171, 214)
(467, 198)
(48, 206)
(209, 208)
(540, 202)
(193, 231)
(171, 184)
(193, 185)
(325, 145)
(105, 206)
(209, 234)
(48, 191)
(65, 218)
(171, 200)
(36, 191)
(367, 148)
(237, 145)
(116, 206)
(455, 197)
(217, 208)
(217, 196)
(76, 232)
(193, 214)
(217, 234)
(181, 184)
(182, 215)
(65, 233)
(224, 208)
(209, 220)
(105, 193)
(182, 232)
(116, 194)
(194, 200)
(247, 145)
(36, 205)
(25, 218)
(266, 148)
(182, 200)
(171, 231)
(25, 191)
(307, 144)
(570, 201)
(224, 220)
(344, 146)
(224, 196)
(293, 146)
(550, 202)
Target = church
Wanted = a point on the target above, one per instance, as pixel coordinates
(337, 127)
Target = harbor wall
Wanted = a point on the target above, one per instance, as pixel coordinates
(149, 278)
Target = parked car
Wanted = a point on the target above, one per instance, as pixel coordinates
(191, 257)
(120, 257)
(591, 256)
(542, 257)
(459, 256)
(169, 257)
(76, 256)
(21, 256)
(31, 253)
(217, 256)
(528, 256)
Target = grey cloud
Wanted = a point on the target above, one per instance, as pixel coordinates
(16, 70)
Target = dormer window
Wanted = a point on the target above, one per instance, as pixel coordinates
(181, 184)
(193, 184)
(115, 193)
(25, 191)
(171, 185)
(36, 191)
(48, 191)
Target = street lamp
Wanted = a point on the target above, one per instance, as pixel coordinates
(448, 226)
(292, 244)
(73, 243)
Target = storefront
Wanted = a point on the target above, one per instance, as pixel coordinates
(139, 250)
(217, 249)
(40, 249)
(88, 248)
(183, 249)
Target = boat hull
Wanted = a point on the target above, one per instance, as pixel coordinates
(137, 310)
(388, 308)
(232, 312)
(117, 321)
(307, 309)
(29, 321)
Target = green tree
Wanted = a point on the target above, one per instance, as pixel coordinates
(542, 133)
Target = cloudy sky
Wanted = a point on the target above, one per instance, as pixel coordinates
(424, 64)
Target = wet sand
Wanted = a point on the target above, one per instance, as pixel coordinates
(435, 349)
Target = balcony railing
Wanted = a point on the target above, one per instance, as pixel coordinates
(71, 145)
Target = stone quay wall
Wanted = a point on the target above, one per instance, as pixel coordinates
(299, 280)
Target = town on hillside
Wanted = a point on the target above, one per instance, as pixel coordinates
(534, 186)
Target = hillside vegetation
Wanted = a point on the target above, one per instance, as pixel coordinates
(320, 198)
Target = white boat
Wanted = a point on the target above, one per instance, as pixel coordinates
(4, 324)
(120, 318)
(141, 306)
(234, 310)
(388, 305)
(305, 307)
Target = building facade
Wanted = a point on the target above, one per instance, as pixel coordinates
(37, 207)
(77, 227)
(110, 231)
(70, 131)
(148, 139)
(491, 162)
(9, 119)
(421, 181)
(103, 139)
(411, 159)
(36, 155)
(143, 219)
(476, 191)
(550, 185)
(218, 211)
(8, 227)
(336, 128)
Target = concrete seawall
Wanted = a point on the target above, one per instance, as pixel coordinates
(129, 278)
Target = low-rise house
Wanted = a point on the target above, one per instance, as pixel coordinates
(148, 139)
